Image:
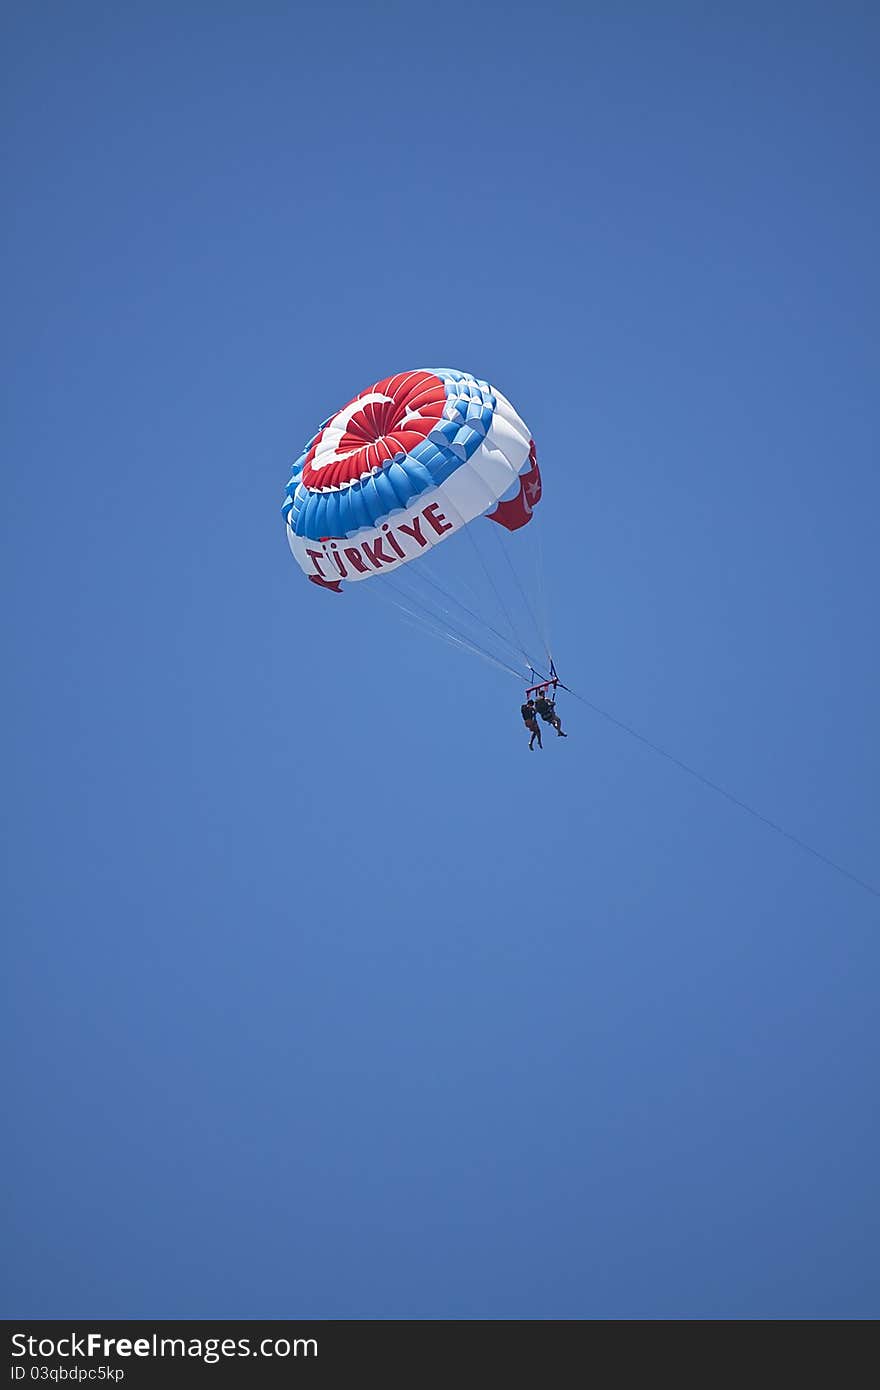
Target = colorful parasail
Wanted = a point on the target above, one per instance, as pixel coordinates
(401, 468)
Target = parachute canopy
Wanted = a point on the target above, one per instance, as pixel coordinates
(401, 468)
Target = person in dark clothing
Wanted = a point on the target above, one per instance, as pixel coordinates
(547, 710)
(528, 713)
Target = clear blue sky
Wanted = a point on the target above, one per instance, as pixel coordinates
(325, 997)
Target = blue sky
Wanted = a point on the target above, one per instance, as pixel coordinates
(325, 997)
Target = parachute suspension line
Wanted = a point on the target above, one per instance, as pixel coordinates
(476, 651)
(516, 579)
(475, 617)
(416, 572)
(446, 622)
(517, 641)
(426, 567)
(542, 595)
(494, 587)
(430, 611)
(420, 624)
(433, 626)
(722, 791)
